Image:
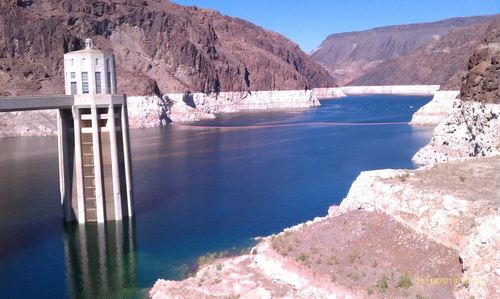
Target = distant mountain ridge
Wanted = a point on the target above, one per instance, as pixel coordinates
(442, 62)
(348, 56)
(159, 46)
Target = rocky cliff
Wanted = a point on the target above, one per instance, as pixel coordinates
(473, 127)
(351, 55)
(160, 47)
(481, 84)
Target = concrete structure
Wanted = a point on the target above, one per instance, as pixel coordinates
(89, 71)
(93, 139)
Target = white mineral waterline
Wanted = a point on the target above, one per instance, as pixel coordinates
(391, 89)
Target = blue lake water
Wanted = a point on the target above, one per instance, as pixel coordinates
(199, 188)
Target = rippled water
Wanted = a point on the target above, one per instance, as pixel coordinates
(203, 187)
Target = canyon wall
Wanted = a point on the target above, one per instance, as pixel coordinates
(159, 47)
(442, 61)
(422, 53)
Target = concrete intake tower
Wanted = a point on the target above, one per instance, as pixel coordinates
(95, 169)
(93, 141)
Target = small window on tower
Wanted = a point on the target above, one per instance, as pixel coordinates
(85, 82)
(98, 88)
(108, 83)
(97, 61)
(73, 75)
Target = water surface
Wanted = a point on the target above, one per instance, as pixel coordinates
(203, 187)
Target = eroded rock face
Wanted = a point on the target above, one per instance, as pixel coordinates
(473, 128)
(438, 109)
(160, 47)
(483, 78)
(28, 123)
(235, 101)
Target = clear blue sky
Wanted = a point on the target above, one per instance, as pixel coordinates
(309, 22)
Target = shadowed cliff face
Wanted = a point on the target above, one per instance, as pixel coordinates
(159, 46)
(351, 55)
(482, 81)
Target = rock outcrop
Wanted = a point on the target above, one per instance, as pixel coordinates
(353, 54)
(160, 47)
(473, 128)
(483, 77)
(453, 203)
(437, 110)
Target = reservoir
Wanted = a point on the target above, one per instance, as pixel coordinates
(202, 187)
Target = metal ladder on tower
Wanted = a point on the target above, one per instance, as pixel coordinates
(89, 177)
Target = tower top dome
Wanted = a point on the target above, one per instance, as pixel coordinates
(89, 44)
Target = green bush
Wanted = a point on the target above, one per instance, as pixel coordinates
(404, 281)
(383, 283)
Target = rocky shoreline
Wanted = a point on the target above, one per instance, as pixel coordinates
(429, 240)
(153, 111)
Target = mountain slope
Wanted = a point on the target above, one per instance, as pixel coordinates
(441, 62)
(352, 54)
(159, 46)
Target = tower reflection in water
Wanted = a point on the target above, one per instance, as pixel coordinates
(100, 259)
